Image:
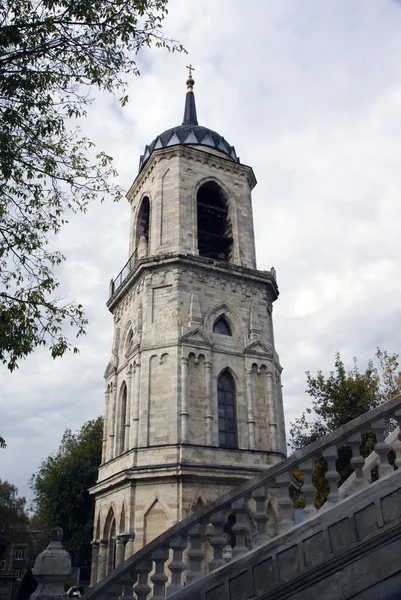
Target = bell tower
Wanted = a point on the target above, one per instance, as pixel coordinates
(193, 388)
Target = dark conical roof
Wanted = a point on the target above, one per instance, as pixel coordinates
(190, 117)
(189, 133)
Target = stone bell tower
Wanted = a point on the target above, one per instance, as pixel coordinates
(193, 389)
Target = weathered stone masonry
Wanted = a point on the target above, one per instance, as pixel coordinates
(193, 401)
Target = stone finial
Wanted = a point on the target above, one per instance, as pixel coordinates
(56, 534)
(195, 315)
(52, 568)
(254, 325)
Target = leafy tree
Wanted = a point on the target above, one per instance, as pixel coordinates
(343, 396)
(28, 586)
(52, 53)
(13, 517)
(338, 399)
(390, 385)
(61, 489)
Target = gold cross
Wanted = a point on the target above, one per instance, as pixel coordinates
(191, 68)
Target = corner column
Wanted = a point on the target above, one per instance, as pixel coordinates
(251, 409)
(135, 409)
(272, 412)
(102, 559)
(184, 401)
(106, 425)
(94, 564)
(112, 420)
(120, 551)
(128, 412)
(209, 400)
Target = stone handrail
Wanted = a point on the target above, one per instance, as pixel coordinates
(190, 534)
(371, 461)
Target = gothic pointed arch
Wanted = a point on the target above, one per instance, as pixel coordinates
(222, 326)
(214, 223)
(156, 516)
(226, 401)
(224, 310)
(122, 520)
(109, 535)
(107, 523)
(127, 337)
(198, 502)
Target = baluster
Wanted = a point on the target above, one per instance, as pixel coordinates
(308, 489)
(260, 515)
(381, 447)
(177, 565)
(241, 527)
(115, 590)
(219, 540)
(196, 554)
(159, 577)
(357, 461)
(129, 579)
(330, 454)
(397, 444)
(142, 589)
(285, 503)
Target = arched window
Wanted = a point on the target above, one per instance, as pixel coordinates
(142, 225)
(226, 406)
(222, 326)
(214, 227)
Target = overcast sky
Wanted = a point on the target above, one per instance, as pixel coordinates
(309, 93)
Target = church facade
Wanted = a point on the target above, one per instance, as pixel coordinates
(193, 402)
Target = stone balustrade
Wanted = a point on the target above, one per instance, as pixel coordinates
(195, 546)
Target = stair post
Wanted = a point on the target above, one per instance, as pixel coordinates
(381, 448)
(308, 489)
(218, 540)
(196, 554)
(357, 461)
(159, 578)
(260, 515)
(397, 445)
(240, 528)
(177, 565)
(331, 455)
(142, 589)
(285, 503)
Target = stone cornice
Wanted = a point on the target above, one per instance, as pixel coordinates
(197, 262)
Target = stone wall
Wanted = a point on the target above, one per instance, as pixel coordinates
(161, 452)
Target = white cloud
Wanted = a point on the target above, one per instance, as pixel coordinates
(309, 94)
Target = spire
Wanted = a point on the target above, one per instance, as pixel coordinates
(190, 108)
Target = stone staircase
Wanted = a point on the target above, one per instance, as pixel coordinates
(350, 548)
